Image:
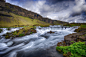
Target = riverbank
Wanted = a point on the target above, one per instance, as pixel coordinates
(26, 30)
(49, 33)
(72, 39)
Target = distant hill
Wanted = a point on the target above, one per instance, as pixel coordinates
(14, 15)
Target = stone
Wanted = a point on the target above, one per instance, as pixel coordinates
(50, 32)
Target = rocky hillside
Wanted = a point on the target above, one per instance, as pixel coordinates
(6, 7)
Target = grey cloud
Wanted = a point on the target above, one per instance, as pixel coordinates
(55, 9)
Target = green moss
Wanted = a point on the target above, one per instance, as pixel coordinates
(7, 37)
(41, 26)
(72, 41)
(34, 27)
(31, 32)
(15, 33)
(83, 26)
(77, 49)
(21, 35)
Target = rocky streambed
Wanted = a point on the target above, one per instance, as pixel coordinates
(40, 44)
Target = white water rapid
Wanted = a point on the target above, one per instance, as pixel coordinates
(29, 45)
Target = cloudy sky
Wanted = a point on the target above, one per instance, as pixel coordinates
(64, 10)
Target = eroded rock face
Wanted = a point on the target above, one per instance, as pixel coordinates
(71, 38)
(75, 37)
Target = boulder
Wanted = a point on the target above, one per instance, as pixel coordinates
(75, 37)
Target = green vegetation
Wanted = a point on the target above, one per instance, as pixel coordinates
(15, 33)
(41, 26)
(18, 21)
(77, 49)
(0, 30)
(31, 32)
(82, 27)
(21, 35)
(7, 37)
(72, 41)
(22, 32)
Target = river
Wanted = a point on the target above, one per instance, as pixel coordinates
(40, 44)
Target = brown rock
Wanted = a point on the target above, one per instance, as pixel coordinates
(82, 37)
(34, 31)
(74, 37)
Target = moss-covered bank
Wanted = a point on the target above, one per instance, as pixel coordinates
(71, 47)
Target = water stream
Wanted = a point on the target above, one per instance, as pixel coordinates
(40, 44)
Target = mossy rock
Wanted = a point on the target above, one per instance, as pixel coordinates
(7, 37)
(63, 43)
(34, 31)
(7, 33)
(17, 31)
(31, 32)
(8, 28)
(21, 35)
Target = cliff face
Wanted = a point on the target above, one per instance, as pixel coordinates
(2, 0)
(23, 12)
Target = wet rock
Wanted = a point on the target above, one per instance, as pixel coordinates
(8, 28)
(80, 30)
(63, 43)
(34, 31)
(28, 33)
(16, 36)
(45, 36)
(82, 37)
(17, 31)
(40, 28)
(50, 32)
(7, 37)
(4, 35)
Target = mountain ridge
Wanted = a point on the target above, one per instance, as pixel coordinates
(9, 8)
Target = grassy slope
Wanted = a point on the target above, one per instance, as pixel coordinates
(18, 20)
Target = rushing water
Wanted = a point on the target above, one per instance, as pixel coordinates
(36, 44)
